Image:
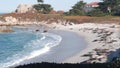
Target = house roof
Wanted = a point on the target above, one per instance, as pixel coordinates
(92, 3)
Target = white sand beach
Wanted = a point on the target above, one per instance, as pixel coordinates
(102, 37)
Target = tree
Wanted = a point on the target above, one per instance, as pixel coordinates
(43, 8)
(96, 12)
(110, 6)
(77, 9)
(40, 1)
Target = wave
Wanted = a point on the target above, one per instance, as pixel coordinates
(35, 48)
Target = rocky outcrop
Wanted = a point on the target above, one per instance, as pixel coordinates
(25, 8)
(5, 29)
(10, 19)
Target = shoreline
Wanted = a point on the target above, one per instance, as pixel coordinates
(102, 40)
(61, 52)
(99, 37)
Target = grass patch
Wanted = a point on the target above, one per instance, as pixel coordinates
(55, 17)
(89, 19)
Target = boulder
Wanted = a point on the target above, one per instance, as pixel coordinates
(24, 8)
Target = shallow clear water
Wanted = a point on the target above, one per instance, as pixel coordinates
(18, 46)
(12, 43)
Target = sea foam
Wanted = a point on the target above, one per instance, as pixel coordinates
(38, 47)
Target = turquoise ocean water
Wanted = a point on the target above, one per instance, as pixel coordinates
(18, 46)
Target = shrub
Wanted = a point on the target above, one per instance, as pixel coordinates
(43, 8)
(96, 12)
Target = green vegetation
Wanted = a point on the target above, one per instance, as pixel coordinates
(77, 9)
(42, 8)
(111, 7)
(40, 1)
(106, 8)
(96, 12)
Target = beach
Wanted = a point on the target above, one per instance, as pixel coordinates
(40, 33)
(81, 43)
(87, 42)
(102, 39)
(67, 48)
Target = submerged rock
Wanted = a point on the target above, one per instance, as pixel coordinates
(45, 31)
(37, 30)
(5, 29)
